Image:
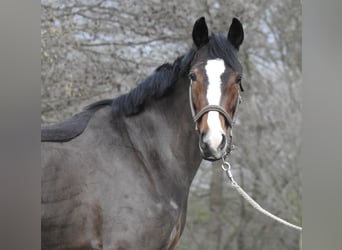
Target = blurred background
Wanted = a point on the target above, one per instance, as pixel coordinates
(96, 49)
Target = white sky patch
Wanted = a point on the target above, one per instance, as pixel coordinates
(214, 70)
(173, 204)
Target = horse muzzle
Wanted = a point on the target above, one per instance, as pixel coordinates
(213, 145)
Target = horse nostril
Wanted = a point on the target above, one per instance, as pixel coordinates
(204, 145)
(223, 142)
(202, 134)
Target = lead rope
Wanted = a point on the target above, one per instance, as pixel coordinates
(226, 165)
(227, 169)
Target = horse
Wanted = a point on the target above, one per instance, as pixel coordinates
(117, 174)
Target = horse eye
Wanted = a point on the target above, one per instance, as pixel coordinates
(192, 76)
(239, 81)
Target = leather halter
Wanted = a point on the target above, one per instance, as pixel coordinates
(208, 108)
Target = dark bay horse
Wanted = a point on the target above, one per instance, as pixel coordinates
(117, 175)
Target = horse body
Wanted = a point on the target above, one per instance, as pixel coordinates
(123, 182)
(140, 186)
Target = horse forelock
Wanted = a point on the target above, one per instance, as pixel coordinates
(220, 47)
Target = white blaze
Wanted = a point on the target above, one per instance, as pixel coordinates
(214, 70)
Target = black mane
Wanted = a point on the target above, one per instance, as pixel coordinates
(157, 85)
(220, 47)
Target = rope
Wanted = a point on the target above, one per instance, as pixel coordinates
(250, 199)
(226, 165)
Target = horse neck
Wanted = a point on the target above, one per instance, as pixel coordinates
(184, 138)
(169, 134)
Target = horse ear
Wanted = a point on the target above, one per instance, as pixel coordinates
(200, 33)
(235, 33)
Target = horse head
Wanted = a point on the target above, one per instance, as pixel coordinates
(215, 81)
